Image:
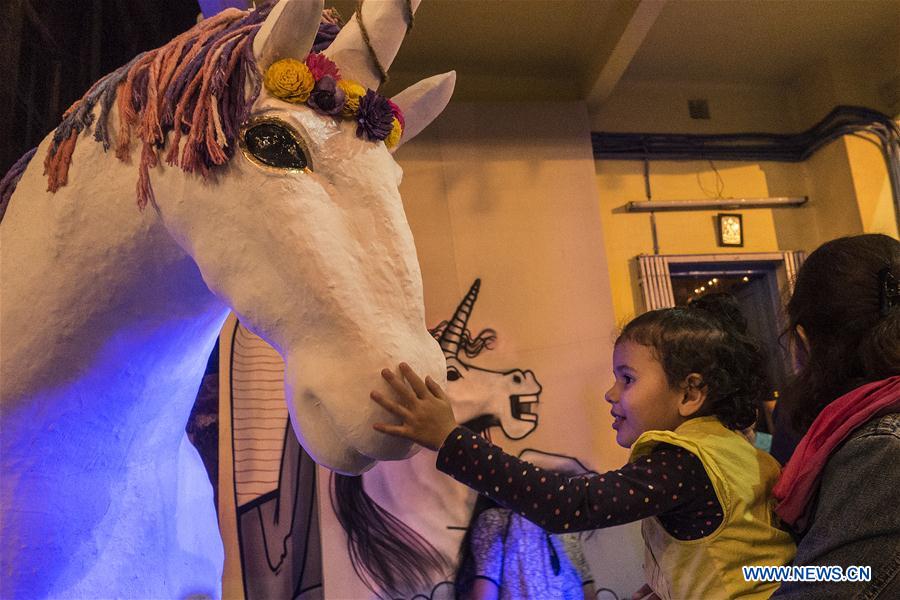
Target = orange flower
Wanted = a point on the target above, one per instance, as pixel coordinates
(393, 137)
(289, 80)
(354, 92)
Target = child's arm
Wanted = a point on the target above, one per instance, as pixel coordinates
(555, 502)
(560, 503)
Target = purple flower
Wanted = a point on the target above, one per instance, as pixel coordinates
(327, 33)
(374, 118)
(327, 97)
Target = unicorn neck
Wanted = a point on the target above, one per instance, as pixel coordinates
(96, 288)
(107, 326)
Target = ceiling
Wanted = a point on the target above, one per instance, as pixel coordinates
(582, 49)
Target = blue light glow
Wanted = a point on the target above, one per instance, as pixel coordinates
(103, 496)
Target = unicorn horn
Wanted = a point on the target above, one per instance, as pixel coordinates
(452, 335)
(367, 60)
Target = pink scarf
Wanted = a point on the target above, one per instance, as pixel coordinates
(800, 479)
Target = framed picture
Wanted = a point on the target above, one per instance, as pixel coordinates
(730, 229)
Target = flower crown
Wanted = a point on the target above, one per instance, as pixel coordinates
(317, 82)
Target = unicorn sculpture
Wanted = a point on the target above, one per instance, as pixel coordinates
(267, 188)
(407, 546)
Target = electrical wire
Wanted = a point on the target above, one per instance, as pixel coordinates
(777, 147)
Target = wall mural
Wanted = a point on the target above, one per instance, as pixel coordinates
(274, 478)
(404, 520)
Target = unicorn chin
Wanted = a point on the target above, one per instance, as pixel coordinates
(332, 397)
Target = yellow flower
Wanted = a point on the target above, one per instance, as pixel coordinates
(290, 80)
(354, 92)
(393, 137)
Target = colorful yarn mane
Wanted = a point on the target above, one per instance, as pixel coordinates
(194, 86)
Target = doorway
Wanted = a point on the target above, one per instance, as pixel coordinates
(754, 284)
(761, 283)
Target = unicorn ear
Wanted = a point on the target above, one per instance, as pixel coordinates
(422, 102)
(288, 32)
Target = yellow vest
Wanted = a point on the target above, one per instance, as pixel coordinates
(709, 568)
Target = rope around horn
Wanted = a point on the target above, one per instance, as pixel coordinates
(365, 35)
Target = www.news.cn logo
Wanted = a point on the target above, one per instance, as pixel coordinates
(808, 573)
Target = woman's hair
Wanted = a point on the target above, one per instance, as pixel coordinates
(465, 572)
(845, 299)
(709, 337)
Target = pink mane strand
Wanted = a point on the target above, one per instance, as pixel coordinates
(193, 86)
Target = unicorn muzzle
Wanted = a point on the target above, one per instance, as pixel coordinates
(525, 396)
(332, 413)
(522, 404)
(521, 407)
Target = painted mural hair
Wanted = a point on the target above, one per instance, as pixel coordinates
(844, 301)
(384, 551)
(709, 338)
(472, 346)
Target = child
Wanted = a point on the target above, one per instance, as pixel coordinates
(686, 381)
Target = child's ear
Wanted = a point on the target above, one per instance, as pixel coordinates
(694, 395)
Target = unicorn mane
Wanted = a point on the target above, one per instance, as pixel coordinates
(194, 85)
(197, 79)
(205, 81)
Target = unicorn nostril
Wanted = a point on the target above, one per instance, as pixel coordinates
(517, 379)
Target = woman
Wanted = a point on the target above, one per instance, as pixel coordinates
(839, 490)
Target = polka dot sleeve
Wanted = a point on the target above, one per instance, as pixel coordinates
(670, 483)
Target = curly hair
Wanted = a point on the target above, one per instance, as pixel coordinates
(709, 338)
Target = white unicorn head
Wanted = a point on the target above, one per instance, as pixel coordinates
(109, 313)
(320, 261)
(487, 397)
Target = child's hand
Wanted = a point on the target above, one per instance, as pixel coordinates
(423, 407)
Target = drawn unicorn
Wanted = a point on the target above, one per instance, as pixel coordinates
(268, 189)
(405, 519)
(275, 492)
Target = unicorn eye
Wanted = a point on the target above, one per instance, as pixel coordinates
(273, 144)
(453, 374)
